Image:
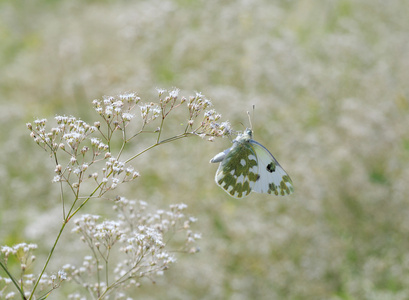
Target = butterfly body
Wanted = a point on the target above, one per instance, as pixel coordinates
(248, 166)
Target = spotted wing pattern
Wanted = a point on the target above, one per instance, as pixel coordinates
(273, 179)
(248, 166)
(237, 173)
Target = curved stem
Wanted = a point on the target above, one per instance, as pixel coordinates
(177, 137)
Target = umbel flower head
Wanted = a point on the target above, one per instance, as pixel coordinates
(137, 242)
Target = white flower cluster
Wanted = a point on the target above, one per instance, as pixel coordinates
(103, 235)
(132, 214)
(197, 104)
(214, 129)
(146, 255)
(98, 145)
(23, 252)
(113, 168)
(117, 108)
(4, 288)
(209, 125)
(136, 244)
(68, 134)
(150, 112)
(72, 136)
(71, 132)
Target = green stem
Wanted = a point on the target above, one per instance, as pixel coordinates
(160, 128)
(123, 143)
(12, 279)
(48, 259)
(70, 215)
(143, 151)
(177, 137)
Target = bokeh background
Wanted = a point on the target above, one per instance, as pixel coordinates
(330, 82)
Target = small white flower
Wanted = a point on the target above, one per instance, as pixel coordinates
(94, 141)
(32, 246)
(181, 206)
(73, 160)
(127, 116)
(96, 102)
(144, 110)
(118, 103)
(156, 111)
(7, 280)
(40, 122)
(128, 96)
(58, 168)
(174, 93)
(67, 267)
(107, 101)
(160, 91)
(6, 250)
(109, 110)
(55, 131)
(57, 178)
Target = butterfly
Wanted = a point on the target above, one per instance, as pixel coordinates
(248, 166)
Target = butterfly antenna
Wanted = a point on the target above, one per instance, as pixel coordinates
(250, 117)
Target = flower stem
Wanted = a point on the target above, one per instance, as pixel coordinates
(69, 216)
(48, 260)
(12, 279)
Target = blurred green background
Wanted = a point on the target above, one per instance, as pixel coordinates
(330, 82)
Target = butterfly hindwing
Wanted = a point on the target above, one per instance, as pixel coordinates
(238, 171)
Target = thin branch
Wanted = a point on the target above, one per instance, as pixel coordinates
(48, 260)
(13, 280)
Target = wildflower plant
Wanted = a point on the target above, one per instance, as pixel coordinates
(89, 162)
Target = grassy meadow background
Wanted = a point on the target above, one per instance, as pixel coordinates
(330, 82)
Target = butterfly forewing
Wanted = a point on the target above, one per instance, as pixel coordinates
(238, 172)
(273, 179)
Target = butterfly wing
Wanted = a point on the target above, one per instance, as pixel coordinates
(238, 171)
(272, 177)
